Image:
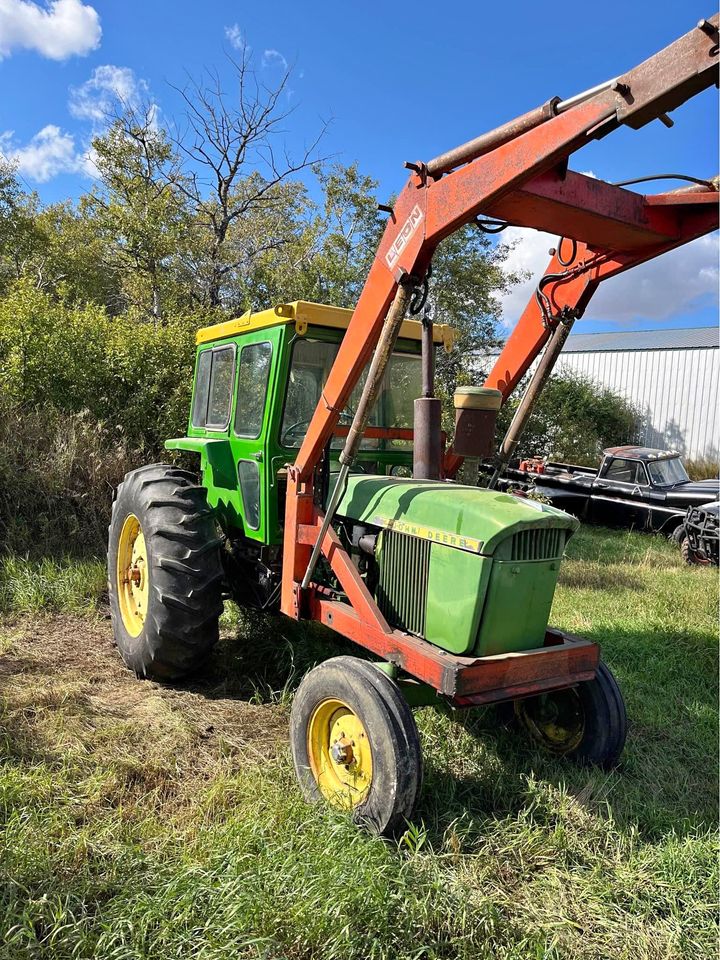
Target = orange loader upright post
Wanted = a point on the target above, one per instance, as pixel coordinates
(518, 174)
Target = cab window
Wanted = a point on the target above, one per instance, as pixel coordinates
(253, 372)
(249, 478)
(627, 471)
(213, 388)
(310, 366)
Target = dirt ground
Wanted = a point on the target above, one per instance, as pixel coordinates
(68, 696)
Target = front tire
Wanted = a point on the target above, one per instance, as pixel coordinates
(164, 573)
(355, 744)
(586, 723)
(688, 554)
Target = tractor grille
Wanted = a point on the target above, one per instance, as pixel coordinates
(404, 563)
(537, 544)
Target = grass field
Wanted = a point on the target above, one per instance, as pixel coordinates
(141, 821)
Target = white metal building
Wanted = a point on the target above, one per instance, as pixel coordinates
(670, 375)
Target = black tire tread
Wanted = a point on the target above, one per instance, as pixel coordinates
(605, 721)
(604, 741)
(374, 691)
(186, 573)
(686, 553)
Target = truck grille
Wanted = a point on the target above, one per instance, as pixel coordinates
(537, 544)
(404, 564)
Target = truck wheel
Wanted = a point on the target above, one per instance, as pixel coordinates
(586, 723)
(679, 534)
(164, 573)
(355, 744)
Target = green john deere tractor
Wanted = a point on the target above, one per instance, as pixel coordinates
(463, 576)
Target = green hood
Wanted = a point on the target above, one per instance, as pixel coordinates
(468, 518)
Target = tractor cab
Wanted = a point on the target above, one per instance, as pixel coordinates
(258, 380)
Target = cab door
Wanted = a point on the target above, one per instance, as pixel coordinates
(248, 435)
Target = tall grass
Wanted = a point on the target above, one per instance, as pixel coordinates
(57, 476)
(703, 469)
(48, 585)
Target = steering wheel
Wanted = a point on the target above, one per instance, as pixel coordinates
(302, 425)
(293, 429)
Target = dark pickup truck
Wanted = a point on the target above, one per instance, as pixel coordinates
(634, 487)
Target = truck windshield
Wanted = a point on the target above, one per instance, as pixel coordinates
(663, 473)
(309, 368)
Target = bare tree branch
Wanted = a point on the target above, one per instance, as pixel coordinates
(234, 163)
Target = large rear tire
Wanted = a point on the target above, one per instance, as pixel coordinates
(164, 573)
(355, 744)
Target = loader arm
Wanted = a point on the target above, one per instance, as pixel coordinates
(677, 218)
(517, 173)
(690, 213)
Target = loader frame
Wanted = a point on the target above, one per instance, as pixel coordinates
(516, 174)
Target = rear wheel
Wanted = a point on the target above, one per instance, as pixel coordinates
(586, 723)
(164, 573)
(355, 744)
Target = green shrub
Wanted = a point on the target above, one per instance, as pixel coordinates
(131, 376)
(574, 420)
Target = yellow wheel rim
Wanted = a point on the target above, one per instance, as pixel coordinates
(340, 755)
(133, 580)
(555, 720)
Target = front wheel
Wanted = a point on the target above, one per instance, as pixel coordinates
(355, 744)
(688, 554)
(586, 723)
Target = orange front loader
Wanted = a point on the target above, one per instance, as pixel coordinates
(516, 174)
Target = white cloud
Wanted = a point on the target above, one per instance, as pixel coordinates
(273, 58)
(675, 283)
(60, 30)
(52, 151)
(235, 38)
(107, 88)
(48, 153)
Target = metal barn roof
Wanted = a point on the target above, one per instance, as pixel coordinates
(688, 338)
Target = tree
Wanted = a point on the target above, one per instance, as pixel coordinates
(266, 251)
(74, 260)
(20, 234)
(140, 208)
(347, 233)
(235, 166)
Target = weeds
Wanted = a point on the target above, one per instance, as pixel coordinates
(57, 475)
(32, 586)
(703, 469)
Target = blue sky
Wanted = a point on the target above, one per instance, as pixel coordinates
(398, 81)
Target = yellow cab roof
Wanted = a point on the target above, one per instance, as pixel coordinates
(303, 314)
